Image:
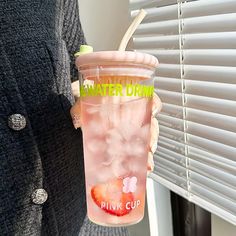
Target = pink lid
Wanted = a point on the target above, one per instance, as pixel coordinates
(116, 57)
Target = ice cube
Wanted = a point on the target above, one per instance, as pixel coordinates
(120, 167)
(107, 161)
(94, 128)
(109, 112)
(136, 147)
(96, 146)
(103, 174)
(115, 148)
(128, 130)
(113, 136)
(136, 165)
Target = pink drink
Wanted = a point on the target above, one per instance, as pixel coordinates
(116, 135)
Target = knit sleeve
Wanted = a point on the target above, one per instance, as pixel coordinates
(89, 228)
(72, 32)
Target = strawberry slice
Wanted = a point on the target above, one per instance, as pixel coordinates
(110, 197)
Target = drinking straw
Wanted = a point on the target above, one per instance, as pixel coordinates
(124, 112)
(134, 25)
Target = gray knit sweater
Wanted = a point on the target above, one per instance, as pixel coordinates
(42, 188)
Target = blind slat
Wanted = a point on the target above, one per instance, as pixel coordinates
(212, 173)
(161, 42)
(165, 56)
(170, 97)
(218, 162)
(162, 28)
(191, 41)
(214, 134)
(171, 145)
(139, 4)
(210, 40)
(222, 189)
(171, 122)
(227, 107)
(212, 146)
(159, 14)
(169, 158)
(214, 23)
(172, 110)
(175, 157)
(210, 89)
(169, 70)
(170, 176)
(170, 166)
(170, 84)
(222, 57)
(208, 7)
(210, 73)
(171, 133)
(211, 119)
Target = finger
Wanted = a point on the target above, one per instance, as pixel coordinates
(150, 165)
(75, 113)
(157, 105)
(75, 89)
(154, 134)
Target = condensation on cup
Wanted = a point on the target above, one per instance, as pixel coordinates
(116, 90)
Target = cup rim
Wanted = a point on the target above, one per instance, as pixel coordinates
(117, 58)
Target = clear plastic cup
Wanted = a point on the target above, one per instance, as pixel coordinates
(116, 91)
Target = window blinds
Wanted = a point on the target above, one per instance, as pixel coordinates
(195, 42)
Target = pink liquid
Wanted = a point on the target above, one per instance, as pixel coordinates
(116, 139)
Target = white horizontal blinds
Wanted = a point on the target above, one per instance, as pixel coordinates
(209, 92)
(159, 36)
(195, 42)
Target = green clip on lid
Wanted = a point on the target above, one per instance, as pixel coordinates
(84, 49)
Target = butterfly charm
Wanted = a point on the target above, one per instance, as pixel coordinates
(130, 184)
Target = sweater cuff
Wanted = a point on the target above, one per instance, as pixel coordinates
(90, 229)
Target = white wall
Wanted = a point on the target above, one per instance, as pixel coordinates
(221, 227)
(159, 209)
(104, 22)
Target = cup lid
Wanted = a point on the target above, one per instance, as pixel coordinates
(117, 57)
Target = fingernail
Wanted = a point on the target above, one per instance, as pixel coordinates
(149, 168)
(76, 121)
